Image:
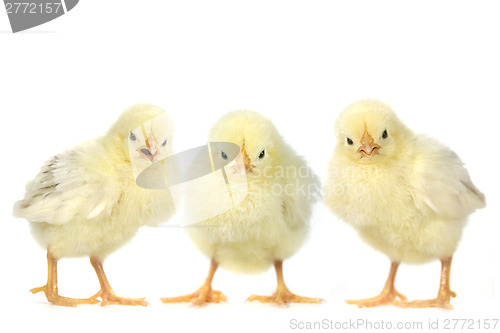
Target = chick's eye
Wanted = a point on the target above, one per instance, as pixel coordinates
(164, 143)
(262, 154)
(384, 134)
(349, 141)
(132, 136)
(223, 155)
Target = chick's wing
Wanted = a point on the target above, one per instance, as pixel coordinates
(301, 191)
(67, 187)
(440, 181)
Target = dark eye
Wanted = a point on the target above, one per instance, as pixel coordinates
(262, 154)
(223, 154)
(164, 143)
(132, 136)
(384, 134)
(349, 141)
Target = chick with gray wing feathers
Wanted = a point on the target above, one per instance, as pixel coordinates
(85, 202)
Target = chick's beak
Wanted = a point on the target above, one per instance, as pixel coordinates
(368, 146)
(150, 150)
(246, 160)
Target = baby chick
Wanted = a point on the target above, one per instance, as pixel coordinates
(84, 201)
(407, 195)
(271, 223)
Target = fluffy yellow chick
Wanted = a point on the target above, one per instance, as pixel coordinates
(272, 221)
(85, 202)
(407, 195)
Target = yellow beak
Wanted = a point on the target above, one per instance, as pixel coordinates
(150, 150)
(246, 159)
(368, 145)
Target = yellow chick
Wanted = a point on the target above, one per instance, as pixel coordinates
(272, 221)
(85, 202)
(407, 195)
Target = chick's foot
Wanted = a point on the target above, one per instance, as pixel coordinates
(106, 293)
(203, 295)
(54, 298)
(282, 297)
(444, 295)
(387, 297)
(430, 303)
(282, 294)
(109, 297)
(442, 301)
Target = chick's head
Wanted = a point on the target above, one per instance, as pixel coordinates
(142, 134)
(258, 139)
(368, 131)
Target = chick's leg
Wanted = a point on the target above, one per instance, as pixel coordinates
(444, 295)
(205, 294)
(106, 293)
(282, 294)
(388, 296)
(51, 290)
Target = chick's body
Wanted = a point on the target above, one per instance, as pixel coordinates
(85, 202)
(268, 225)
(382, 204)
(130, 206)
(408, 197)
(272, 221)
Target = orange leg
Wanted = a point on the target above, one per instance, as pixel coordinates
(204, 294)
(388, 296)
(282, 294)
(106, 293)
(51, 291)
(444, 295)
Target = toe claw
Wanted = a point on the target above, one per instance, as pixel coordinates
(38, 289)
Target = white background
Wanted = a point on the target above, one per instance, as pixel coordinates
(298, 62)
